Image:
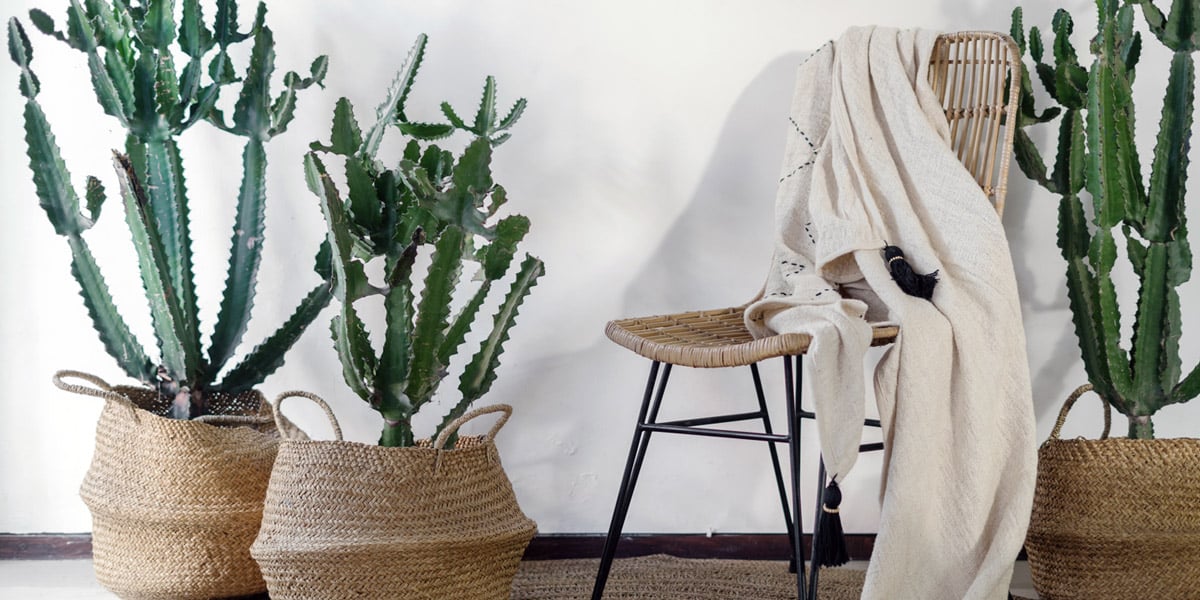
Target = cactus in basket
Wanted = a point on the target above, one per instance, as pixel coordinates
(131, 54)
(1096, 154)
(432, 201)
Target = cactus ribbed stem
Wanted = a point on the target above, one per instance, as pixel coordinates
(1141, 428)
(168, 201)
(245, 256)
(396, 434)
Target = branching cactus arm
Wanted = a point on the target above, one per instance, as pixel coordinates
(480, 373)
(359, 362)
(167, 314)
(61, 203)
(257, 118)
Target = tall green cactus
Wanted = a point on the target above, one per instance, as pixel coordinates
(1096, 153)
(131, 52)
(429, 201)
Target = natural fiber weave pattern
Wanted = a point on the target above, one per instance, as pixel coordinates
(175, 504)
(711, 339)
(663, 577)
(1116, 518)
(345, 520)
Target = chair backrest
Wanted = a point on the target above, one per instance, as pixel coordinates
(977, 74)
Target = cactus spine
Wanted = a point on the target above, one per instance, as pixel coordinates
(1096, 153)
(433, 201)
(131, 52)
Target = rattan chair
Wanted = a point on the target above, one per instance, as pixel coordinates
(977, 76)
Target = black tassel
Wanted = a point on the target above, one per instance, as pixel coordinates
(830, 542)
(912, 282)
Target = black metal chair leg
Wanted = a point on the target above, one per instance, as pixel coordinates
(633, 467)
(815, 570)
(779, 482)
(792, 387)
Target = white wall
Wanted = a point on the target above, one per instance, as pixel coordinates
(647, 162)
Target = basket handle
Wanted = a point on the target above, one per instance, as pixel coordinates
(1066, 408)
(278, 416)
(99, 388)
(236, 419)
(450, 429)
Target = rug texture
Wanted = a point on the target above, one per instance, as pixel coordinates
(667, 577)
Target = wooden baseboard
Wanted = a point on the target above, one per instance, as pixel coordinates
(45, 546)
(739, 546)
(752, 546)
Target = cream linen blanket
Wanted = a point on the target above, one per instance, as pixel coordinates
(868, 162)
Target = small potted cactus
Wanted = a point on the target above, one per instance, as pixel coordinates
(1130, 500)
(407, 517)
(177, 481)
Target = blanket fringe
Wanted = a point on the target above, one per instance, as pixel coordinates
(830, 543)
(912, 282)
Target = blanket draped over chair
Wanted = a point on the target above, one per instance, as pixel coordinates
(868, 162)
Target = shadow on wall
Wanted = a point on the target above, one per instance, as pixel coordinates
(722, 239)
(1031, 222)
(725, 235)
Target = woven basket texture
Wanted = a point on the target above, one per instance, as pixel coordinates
(1116, 519)
(347, 520)
(175, 504)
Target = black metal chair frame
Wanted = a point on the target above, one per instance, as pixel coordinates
(648, 424)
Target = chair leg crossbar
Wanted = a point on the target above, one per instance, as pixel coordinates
(648, 424)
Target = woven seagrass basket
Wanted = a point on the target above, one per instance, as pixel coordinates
(345, 520)
(1115, 518)
(175, 504)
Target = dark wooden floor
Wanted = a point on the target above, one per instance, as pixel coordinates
(753, 546)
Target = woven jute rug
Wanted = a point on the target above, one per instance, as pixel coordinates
(659, 576)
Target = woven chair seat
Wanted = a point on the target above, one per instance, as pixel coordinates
(712, 339)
